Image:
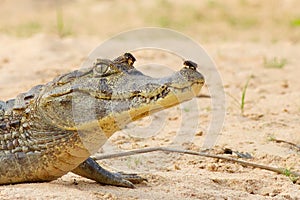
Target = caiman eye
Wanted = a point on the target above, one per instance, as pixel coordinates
(101, 68)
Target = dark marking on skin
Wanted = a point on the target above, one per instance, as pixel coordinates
(136, 92)
(15, 123)
(27, 97)
(3, 126)
(104, 88)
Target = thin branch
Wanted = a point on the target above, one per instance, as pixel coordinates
(235, 100)
(286, 142)
(165, 149)
(203, 96)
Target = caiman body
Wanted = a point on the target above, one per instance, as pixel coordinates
(54, 128)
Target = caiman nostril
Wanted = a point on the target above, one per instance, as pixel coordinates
(190, 64)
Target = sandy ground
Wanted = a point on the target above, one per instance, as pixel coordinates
(272, 109)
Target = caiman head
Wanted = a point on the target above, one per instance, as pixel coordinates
(112, 93)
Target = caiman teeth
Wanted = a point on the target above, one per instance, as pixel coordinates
(164, 92)
(143, 99)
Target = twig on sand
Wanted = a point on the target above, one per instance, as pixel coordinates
(286, 142)
(203, 96)
(293, 175)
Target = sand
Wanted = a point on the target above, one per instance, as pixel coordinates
(271, 110)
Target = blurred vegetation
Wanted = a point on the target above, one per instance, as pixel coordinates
(62, 30)
(275, 62)
(295, 22)
(250, 20)
(25, 29)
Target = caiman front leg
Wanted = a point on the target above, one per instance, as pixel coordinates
(92, 170)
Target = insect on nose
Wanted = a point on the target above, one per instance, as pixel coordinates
(190, 64)
(130, 58)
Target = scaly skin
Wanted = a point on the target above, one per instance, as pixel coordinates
(54, 128)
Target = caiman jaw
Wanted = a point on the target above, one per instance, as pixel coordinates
(168, 98)
(170, 94)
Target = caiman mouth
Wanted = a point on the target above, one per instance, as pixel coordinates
(165, 91)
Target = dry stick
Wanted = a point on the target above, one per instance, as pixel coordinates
(203, 96)
(165, 149)
(283, 141)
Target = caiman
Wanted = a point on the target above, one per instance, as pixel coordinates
(54, 128)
